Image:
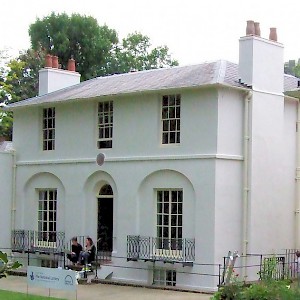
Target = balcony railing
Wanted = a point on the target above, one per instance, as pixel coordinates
(35, 241)
(160, 249)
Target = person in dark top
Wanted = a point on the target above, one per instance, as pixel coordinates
(76, 249)
(88, 255)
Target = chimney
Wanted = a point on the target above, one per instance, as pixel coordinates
(71, 65)
(55, 62)
(273, 34)
(48, 61)
(257, 28)
(261, 60)
(52, 78)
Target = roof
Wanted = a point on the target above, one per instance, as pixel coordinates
(6, 146)
(209, 73)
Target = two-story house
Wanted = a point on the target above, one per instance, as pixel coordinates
(168, 169)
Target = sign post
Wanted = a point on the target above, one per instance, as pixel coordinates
(51, 278)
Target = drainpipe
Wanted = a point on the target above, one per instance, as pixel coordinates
(13, 204)
(297, 200)
(246, 182)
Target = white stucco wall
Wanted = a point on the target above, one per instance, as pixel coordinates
(51, 79)
(6, 177)
(135, 166)
(76, 128)
(207, 165)
(271, 205)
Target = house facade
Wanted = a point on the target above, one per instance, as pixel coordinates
(165, 169)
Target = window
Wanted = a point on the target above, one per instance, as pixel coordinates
(49, 263)
(47, 215)
(170, 116)
(49, 128)
(164, 277)
(105, 124)
(169, 219)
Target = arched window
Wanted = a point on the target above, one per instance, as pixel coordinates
(106, 190)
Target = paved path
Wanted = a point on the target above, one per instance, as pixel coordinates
(101, 291)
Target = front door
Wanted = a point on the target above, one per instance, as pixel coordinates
(105, 220)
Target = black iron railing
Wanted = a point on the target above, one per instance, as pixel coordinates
(35, 241)
(160, 249)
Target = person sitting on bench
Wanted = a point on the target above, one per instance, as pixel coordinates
(88, 255)
(75, 252)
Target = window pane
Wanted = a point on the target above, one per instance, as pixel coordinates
(172, 100)
(172, 137)
(165, 138)
(166, 125)
(159, 196)
(173, 220)
(159, 207)
(172, 125)
(164, 113)
(159, 220)
(172, 112)
(165, 101)
(174, 208)
(174, 196)
(166, 220)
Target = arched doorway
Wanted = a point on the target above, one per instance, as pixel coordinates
(105, 219)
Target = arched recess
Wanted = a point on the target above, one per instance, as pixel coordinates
(50, 184)
(165, 180)
(101, 208)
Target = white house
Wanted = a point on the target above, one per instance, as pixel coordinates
(198, 160)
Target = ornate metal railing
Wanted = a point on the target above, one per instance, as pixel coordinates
(160, 249)
(35, 241)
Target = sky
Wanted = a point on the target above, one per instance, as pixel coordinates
(194, 30)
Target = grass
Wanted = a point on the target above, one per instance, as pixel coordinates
(19, 296)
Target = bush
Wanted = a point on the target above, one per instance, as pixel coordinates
(6, 266)
(265, 290)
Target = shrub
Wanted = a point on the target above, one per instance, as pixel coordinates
(6, 266)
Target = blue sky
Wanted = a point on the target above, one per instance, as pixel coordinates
(194, 30)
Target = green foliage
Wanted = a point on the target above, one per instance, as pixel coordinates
(267, 289)
(20, 296)
(269, 268)
(95, 48)
(292, 68)
(20, 80)
(6, 122)
(74, 36)
(135, 54)
(264, 290)
(6, 265)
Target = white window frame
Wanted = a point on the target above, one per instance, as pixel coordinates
(47, 218)
(169, 219)
(48, 124)
(105, 122)
(164, 277)
(170, 119)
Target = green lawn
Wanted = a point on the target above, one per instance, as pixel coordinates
(19, 296)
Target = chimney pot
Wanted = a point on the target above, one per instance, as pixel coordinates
(273, 34)
(54, 62)
(71, 65)
(250, 29)
(48, 61)
(257, 28)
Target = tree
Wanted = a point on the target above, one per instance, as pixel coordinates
(18, 81)
(292, 68)
(95, 48)
(135, 54)
(75, 36)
